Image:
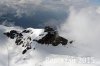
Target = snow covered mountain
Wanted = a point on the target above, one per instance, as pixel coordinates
(24, 48)
(27, 37)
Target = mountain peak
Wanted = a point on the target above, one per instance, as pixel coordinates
(46, 36)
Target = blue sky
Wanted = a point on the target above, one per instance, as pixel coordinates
(95, 2)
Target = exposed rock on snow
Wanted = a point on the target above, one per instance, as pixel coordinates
(42, 36)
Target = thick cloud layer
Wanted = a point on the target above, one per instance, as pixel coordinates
(83, 26)
(32, 13)
(36, 13)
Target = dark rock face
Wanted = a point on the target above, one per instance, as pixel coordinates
(19, 39)
(25, 50)
(12, 34)
(26, 31)
(52, 37)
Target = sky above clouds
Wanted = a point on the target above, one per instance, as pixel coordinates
(75, 19)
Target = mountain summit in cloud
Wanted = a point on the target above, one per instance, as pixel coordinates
(46, 36)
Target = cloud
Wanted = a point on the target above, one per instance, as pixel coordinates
(83, 27)
(28, 13)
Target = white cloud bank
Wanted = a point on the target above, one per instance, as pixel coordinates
(83, 26)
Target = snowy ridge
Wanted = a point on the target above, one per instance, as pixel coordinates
(27, 37)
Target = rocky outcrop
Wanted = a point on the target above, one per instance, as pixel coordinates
(51, 37)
